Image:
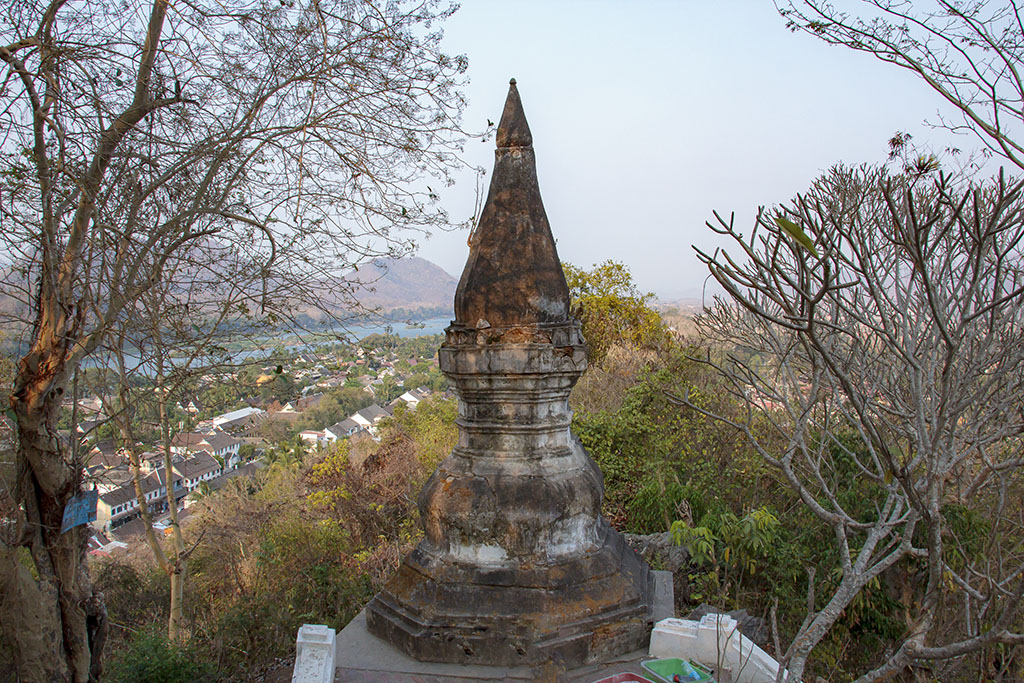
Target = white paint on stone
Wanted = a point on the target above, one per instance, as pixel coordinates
(554, 307)
(480, 554)
(714, 641)
(571, 536)
(314, 654)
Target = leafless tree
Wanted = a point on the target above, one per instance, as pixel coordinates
(175, 332)
(970, 52)
(875, 334)
(296, 136)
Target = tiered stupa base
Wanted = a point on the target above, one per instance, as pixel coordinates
(575, 612)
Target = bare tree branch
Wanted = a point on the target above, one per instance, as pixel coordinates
(897, 357)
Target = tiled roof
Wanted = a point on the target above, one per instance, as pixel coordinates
(307, 402)
(103, 458)
(151, 482)
(113, 477)
(346, 426)
(219, 441)
(186, 439)
(374, 412)
(242, 422)
(196, 466)
(131, 529)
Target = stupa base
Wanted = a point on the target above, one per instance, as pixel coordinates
(583, 610)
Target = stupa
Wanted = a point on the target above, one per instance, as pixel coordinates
(517, 565)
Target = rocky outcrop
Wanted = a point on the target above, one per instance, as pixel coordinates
(659, 551)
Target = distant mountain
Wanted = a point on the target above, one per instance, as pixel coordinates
(407, 283)
(407, 286)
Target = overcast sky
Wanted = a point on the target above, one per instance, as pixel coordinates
(648, 115)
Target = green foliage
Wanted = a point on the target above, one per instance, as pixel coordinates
(287, 454)
(749, 538)
(276, 386)
(969, 531)
(699, 541)
(387, 341)
(661, 463)
(151, 658)
(388, 390)
(612, 310)
(659, 498)
(430, 427)
(267, 565)
(797, 233)
(422, 346)
(276, 431)
(201, 491)
(374, 501)
(137, 596)
(740, 542)
(725, 548)
(626, 444)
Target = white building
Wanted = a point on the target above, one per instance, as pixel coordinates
(340, 430)
(224, 447)
(369, 417)
(197, 469)
(235, 415)
(122, 504)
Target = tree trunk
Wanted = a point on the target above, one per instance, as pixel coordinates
(177, 576)
(69, 619)
(172, 565)
(176, 565)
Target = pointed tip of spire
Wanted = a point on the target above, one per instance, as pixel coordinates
(513, 276)
(513, 130)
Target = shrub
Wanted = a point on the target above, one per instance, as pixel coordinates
(151, 658)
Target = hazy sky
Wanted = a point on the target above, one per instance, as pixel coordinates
(646, 116)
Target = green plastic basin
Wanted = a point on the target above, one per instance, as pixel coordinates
(688, 672)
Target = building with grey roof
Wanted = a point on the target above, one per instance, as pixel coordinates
(199, 468)
(120, 505)
(340, 430)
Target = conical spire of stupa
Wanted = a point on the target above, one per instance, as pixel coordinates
(513, 276)
(513, 130)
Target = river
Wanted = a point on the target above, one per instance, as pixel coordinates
(354, 331)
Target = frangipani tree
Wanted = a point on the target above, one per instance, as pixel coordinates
(875, 331)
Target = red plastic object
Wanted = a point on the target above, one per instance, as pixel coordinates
(624, 678)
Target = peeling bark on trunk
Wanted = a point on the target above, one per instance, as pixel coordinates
(23, 601)
(68, 617)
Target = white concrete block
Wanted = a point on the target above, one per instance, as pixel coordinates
(715, 642)
(314, 654)
(671, 635)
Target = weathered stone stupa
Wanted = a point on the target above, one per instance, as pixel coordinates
(517, 566)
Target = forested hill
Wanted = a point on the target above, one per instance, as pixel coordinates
(407, 283)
